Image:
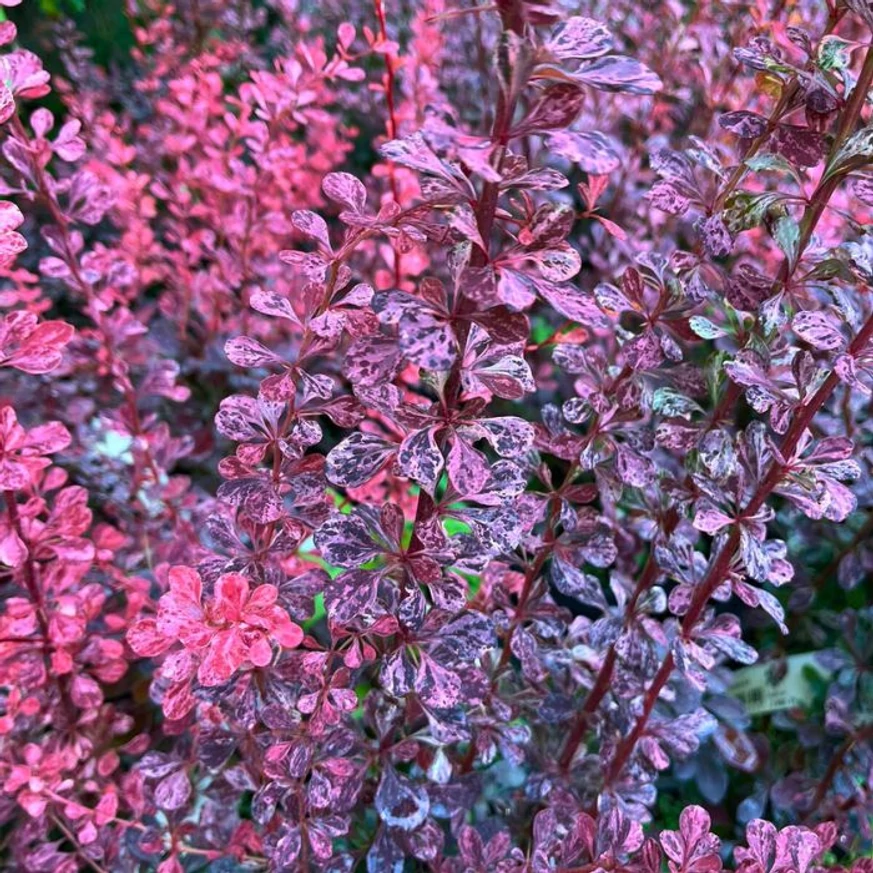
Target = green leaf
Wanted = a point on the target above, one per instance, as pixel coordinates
(674, 404)
(704, 328)
(746, 210)
(858, 148)
(786, 232)
(716, 375)
(770, 162)
(830, 268)
(834, 53)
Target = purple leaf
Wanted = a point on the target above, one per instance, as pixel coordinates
(557, 108)
(573, 582)
(372, 360)
(414, 152)
(256, 497)
(357, 459)
(509, 436)
(761, 841)
(312, 225)
(351, 596)
(819, 330)
(348, 540)
(247, 352)
(643, 352)
(400, 802)
(236, 418)
(800, 145)
(693, 849)
(666, 196)
(271, 303)
(619, 73)
(345, 189)
(419, 458)
(716, 237)
(710, 519)
(467, 468)
(173, 791)
(579, 37)
(509, 377)
(594, 152)
(435, 685)
(572, 302)
(746, 125)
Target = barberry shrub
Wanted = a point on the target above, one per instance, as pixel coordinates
(413, 416)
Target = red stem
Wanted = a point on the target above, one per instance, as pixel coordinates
(486, 210)
(604, 675)
(34, 589)
(719, 570)
(530, 577)
(721, 567)
(392, 119)
(834, 766)
(70, 259)
(728, 402)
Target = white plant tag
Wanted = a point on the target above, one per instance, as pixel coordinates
(776, 685)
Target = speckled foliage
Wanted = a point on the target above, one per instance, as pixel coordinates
(411, 417)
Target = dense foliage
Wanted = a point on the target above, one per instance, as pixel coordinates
(412, 417)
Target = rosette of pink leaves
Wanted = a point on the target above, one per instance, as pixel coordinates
(234, 627)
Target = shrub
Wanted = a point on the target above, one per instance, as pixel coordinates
(412, 418)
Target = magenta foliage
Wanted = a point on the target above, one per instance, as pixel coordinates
(541, 342)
